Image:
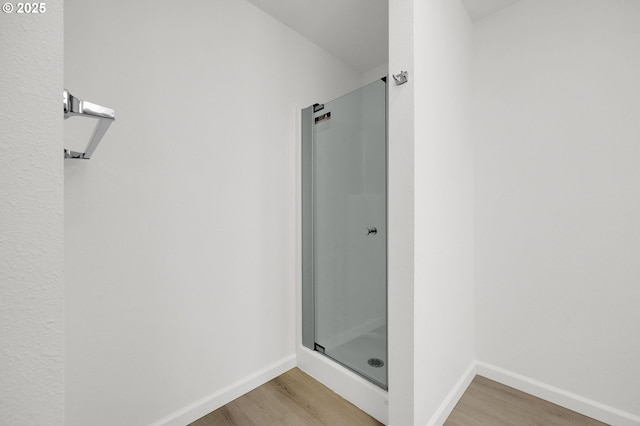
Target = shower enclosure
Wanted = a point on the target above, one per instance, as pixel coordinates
(344, 231)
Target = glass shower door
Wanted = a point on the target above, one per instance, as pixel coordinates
(348, 229)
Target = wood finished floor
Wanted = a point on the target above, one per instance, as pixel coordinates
(486, 402)
(296, 399)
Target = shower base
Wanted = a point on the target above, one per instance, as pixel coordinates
(356, 353)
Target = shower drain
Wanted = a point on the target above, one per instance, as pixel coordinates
(375, 362)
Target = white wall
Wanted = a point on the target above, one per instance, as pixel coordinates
(400, 216)
(31, 219)
(431, 298)
(180, 231)
(444, 288)
(558, 201)
(374, 74)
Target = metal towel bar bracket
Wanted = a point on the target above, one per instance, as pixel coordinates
(74, 106)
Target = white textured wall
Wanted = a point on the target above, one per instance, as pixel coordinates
(180, 231)
(31, 219)
(444, 287)
(558, 200)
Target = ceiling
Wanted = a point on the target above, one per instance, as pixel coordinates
(356, 31)
(353, 30)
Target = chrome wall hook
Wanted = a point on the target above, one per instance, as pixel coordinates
(401, 78)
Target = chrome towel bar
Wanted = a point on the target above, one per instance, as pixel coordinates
(74, 106)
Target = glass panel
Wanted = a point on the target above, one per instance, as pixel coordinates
(350, 230)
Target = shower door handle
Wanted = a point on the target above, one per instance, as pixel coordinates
(373, 230)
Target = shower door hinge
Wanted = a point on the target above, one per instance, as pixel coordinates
(318, 348)
(324, 117)
(318, 107)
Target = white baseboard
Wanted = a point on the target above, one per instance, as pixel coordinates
(577, 403)
(361, 393)
(449, 403)
(374, 400)
(204, 406)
